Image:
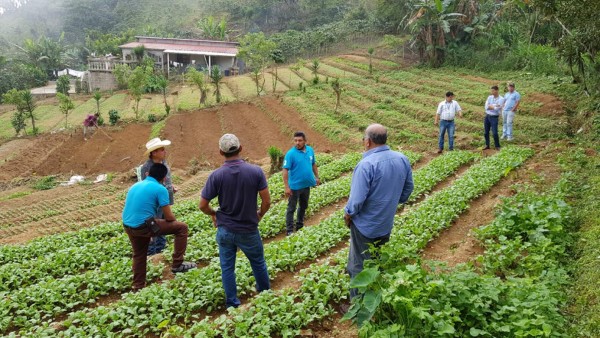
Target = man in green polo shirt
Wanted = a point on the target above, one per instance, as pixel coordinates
(300, 173)
(141, 203)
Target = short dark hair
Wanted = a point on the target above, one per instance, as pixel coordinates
(448, 94)
(158, 171)
(377, 138)
(233, 153)
(300, 134)
(494, 87)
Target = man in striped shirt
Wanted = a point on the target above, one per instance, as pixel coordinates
(445, 115)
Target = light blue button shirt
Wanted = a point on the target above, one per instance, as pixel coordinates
(381, 180)
(511, 100)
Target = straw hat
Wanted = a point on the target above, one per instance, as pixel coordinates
(154, 144)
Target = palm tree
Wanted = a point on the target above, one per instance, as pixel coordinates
(315, 67)
(215, 77)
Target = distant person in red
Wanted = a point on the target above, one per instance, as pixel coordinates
(91, 121)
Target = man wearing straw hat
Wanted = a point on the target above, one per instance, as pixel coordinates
(155, 149)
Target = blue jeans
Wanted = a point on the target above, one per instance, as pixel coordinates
(251, 245)
(449, 126)
(507, 123)
(301, 196)
(359, 252)
(491, 122)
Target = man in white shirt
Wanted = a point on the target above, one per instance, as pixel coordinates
(445, 115)
(493, 107)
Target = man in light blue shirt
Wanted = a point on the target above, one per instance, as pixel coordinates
(300, 173)
(381, 181)
(512, 99)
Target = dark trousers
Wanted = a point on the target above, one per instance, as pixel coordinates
(140, 238)
(491, 122)
(297, 197)
(359, 252)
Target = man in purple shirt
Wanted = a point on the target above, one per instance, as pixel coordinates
(237, 184)
(381, 181)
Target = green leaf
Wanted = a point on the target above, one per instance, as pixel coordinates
(364, 278)
(371, 300)
(476, 332)
(163, 324)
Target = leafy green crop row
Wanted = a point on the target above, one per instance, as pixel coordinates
(40, 302)
(180, 299)
(416, 228)
(282, 312)
(519, 291)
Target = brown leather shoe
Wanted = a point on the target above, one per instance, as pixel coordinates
(439, 151)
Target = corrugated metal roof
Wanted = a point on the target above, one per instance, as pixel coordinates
(181, 48)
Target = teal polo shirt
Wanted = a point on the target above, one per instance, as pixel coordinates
(299, 165)
(142, 201)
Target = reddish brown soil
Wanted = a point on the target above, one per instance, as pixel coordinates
(551, 105)
(259, 125)
(294, 122)
(99, 154)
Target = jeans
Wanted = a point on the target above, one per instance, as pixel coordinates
(140, 238)
(301, 196)
(507, 123)
(157, 245)
(251, 245)
(491, 122)
(359, 252)
(449, 126)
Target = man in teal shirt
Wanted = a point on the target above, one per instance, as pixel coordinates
(141, 203)
(299, 173)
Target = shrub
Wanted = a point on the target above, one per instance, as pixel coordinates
(152, 118)
(78, 86)
(113, 117)
(63, 84)
(45, 183)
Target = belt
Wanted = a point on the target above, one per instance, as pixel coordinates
(448, 120)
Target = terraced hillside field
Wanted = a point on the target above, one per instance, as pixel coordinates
(70, 273)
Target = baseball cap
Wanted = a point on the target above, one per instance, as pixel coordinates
(229, 143)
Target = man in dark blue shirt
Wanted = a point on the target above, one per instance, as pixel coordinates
(381, 181)
(141, 203)
(299, 174)
(237, 184)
